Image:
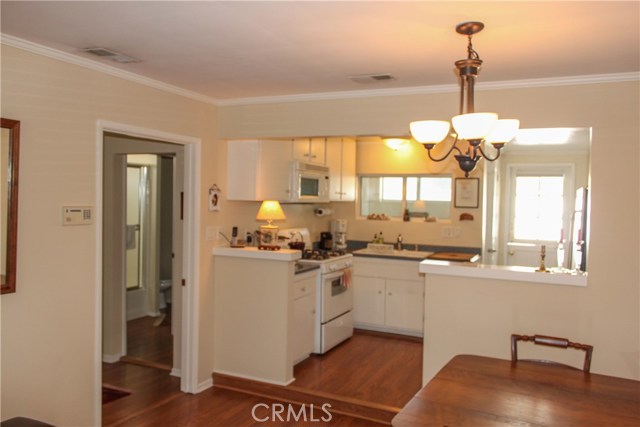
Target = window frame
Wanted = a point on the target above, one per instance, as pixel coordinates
(404, 177)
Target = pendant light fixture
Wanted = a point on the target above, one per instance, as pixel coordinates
(475, 128)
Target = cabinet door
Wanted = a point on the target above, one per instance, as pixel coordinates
(341, 159)
(274, 170)
(348, 184)
(301, 147)
(310, 150)
(317, 151)
(368, 300)
(404, 305)
(304, 316)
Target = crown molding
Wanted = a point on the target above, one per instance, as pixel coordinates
(324, 96)
(39, 49)
(449, 88)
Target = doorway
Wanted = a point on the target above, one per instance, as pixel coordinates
(148, 259)
(142, 251)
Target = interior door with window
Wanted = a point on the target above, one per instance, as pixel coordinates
(540, 203)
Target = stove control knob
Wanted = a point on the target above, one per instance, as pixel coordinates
(348, 263)
(333, 267)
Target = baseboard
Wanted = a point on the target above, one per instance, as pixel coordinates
(250, 378)
(176, 372)
(111, 358)
(205, 385)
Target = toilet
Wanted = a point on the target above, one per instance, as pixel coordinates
(165, 293)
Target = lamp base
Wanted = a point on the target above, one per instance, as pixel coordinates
(268, 235)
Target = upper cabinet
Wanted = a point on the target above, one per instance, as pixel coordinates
(259, 170)
(341, 159)
(310, 150)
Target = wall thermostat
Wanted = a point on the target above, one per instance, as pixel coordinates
(77, 215)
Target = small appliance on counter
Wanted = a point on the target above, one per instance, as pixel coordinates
(339, 232)
(326, 240)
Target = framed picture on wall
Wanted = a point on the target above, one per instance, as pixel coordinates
(467, 193)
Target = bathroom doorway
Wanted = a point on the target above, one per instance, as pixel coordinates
(142, 252)
(148, 264)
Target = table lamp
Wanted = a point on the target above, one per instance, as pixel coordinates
(269, 211)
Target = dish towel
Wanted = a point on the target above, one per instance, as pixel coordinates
(346, 278)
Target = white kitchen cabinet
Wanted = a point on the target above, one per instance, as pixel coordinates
(341, 160)
(388, 295)
(304, 315)
(259, 170)
(310, 150)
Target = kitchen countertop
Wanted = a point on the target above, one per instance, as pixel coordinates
(254, 252)
(395, 254)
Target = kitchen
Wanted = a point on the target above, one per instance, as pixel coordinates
(608, 107)
(377, 274)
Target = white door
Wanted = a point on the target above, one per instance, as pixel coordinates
(539, 212)
(179, 213)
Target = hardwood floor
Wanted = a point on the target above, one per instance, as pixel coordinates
(156, 401)
(370, 376)
(149, 343)
(384, 369)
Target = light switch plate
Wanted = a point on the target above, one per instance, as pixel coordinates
(77, 215)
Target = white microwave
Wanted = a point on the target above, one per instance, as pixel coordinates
(309, 182)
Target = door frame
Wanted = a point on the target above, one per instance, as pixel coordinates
(190, 252)
(568, 170)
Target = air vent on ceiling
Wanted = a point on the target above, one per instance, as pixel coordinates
(110, 54)
(372, 78)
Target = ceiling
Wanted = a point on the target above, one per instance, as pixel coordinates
(241, 49)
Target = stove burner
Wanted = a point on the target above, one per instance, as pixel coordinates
(321, 254)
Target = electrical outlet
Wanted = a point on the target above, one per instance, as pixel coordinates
(446, 232)
(457, 232)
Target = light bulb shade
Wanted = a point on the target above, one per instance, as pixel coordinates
(395, 143)
(474, 125)
(504, 131)
(270, 210)
(429, 131)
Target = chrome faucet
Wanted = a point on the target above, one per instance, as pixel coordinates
(399, 242)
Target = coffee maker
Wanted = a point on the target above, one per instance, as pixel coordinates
(339, 232)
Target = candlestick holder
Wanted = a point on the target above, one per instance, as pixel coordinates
(543, 254)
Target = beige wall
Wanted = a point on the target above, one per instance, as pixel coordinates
(606, 313)
(49, 325)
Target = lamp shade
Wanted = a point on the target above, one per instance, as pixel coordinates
(395, 143)
(429, 131)
(270, 210)
(474, 125)
(504, 131)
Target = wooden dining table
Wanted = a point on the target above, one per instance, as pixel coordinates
(483, 391)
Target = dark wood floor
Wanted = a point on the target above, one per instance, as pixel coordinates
(146, 342)
(377, 368)
(155, 401)
(384, 369)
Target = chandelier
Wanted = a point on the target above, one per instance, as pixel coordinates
(475, 128)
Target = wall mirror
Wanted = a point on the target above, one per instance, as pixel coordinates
(10, 149)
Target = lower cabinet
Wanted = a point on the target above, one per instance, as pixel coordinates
(304, 315)
(388, 296)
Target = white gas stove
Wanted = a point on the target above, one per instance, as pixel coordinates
(334, 293)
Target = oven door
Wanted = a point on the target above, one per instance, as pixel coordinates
(336, 296)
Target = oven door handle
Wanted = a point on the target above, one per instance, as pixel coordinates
(333, 275)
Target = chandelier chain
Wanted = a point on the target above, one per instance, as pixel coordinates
(471, 53)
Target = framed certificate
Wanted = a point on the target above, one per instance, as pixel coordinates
(467, 193)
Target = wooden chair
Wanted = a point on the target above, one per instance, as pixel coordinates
(552, 342)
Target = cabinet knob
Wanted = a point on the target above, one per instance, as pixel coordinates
(379, 292)
(313, 311)
(389, 293)
(303, 289)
